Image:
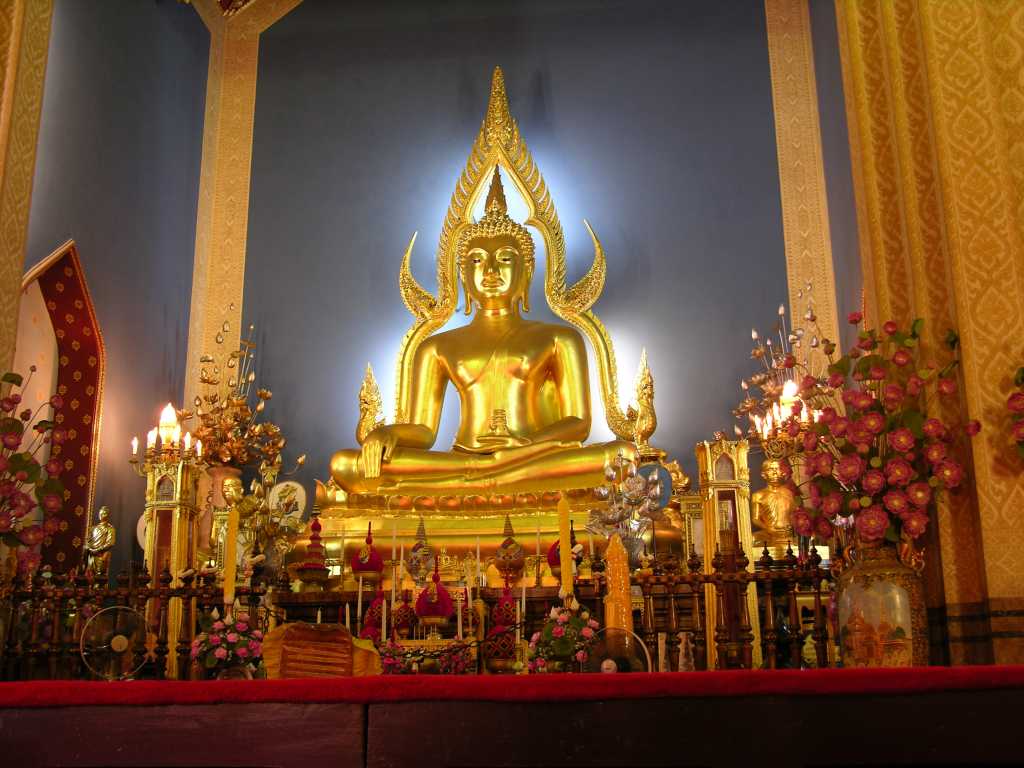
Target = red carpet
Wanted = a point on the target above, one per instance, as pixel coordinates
(589, 687)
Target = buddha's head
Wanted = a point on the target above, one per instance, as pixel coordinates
(231, 489)
(495, 257)
(104, 514)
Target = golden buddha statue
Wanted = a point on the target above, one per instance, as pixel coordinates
(772, 507)
(99, 544)
(523, 387)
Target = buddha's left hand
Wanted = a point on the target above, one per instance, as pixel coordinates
(502, 442)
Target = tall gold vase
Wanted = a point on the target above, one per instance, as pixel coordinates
(882, 619)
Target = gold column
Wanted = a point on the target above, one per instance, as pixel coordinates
(223, 216)
(805, 223)
(24, 45)
(933, 97)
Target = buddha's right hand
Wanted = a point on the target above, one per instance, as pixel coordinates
(377, 449)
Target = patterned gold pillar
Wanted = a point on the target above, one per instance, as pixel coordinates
(934, 109)
(805, 224)
(223, 216)
(24, 44)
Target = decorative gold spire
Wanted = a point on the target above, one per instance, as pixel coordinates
(499, 127)
(369, 406)
(496, 196)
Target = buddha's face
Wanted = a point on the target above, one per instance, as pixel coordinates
(232, 490)
(104, 514)
(495, 272)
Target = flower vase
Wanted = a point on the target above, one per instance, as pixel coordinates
(882, 619)
(235, 672)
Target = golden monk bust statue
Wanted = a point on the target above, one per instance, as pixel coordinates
(523, 389)
(772, 506)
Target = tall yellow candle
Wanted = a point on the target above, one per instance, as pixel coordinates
(230, 560)
(564, 546)
(618, 607)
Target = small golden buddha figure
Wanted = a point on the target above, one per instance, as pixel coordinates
(99, 544)
(772, 507)
(523, 388)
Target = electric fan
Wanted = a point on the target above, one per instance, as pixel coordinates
(617, 650)
(109, 640)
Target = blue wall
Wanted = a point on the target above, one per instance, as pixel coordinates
(652, 119)
(117, 169)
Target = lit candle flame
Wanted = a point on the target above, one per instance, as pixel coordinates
(135, 446)
(168, 422)
(151, 439)
(188, 441)
(199, 449)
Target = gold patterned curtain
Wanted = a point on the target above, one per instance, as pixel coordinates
(935, 108)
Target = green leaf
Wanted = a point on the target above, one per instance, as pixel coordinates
(914, 421)
(916, 327)
(7, 424)
(11, 378)
(891, 535)
(952, 339)
(210, 661)
(841, 366)
(1018, 378)
(1020, 449)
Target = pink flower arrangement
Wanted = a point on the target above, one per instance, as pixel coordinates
(566, 635)
(887, 457)
(1015, 405)
(31, 493)
(226, 643)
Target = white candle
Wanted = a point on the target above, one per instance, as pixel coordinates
(348, 617)
(199, 449)
(135, 446)
(518, 628)
(359, 605)
(458, 612)
(478, 582)
(188, 441)
(538, 534)
(383, 620)
(342, 559)
(522, 597)
(151, 439)
(394, 537)
(401, 563)
(591, 537)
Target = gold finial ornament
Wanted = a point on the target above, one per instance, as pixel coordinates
(499, 143)
(644, 418)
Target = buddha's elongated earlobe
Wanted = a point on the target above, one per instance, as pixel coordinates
(524, 297)
(469, 301)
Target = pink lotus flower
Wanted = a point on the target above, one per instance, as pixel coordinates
(862, 400)
(820, 463)
(901, 357)
(915, 523)
(558, 630)
(808, 383)
(52, 502)
(892, 396)
(854, 318)
(587, 632)
(867, 344)
(257, 634)
(11, 440)
(935, 452)
(803, 524)
(581, 656)
(810, 441)
(232, 637)
(535, 638)
(873, 481)
(835, 380)
(876, 372)
(898, 472)
(241, 626)
(242, 652)
(57, 402)
(562, 618)
(823, 528)
(914, 385)
(828, 415)
(1015, 402)
(31, 535)
(221, 653)
(873, 422)
(859, 435)
(214, 639)
(890, 327)
(218, 625)
(950, 473)
(871, 523)
(850, 468)
(901, 440)
(947, 386)
(832, 504)
(919, 494)
(839, 426)
(934, 428)
(972, 427)
(593, 624)
(896, 502)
